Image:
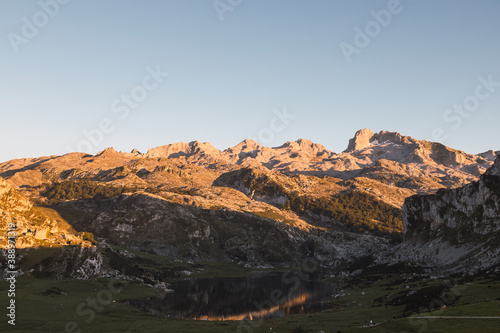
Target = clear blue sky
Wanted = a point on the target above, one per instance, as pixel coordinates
(227, 76)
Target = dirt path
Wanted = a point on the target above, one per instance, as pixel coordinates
(373, 325)
(434, 317)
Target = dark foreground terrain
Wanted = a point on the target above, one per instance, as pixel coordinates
(390, 297)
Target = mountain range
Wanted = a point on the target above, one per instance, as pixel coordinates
(263, 206)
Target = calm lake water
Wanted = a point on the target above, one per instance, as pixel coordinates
(263, 296)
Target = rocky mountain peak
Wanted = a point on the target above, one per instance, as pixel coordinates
(495, 169)
(200, 149)
(360, 140)
(304, 145)
(246, 145)
(203, 145)
(305, 142)
(195, 149)
(490, 155)
(392, 137)
(365, 138)
(107, 152)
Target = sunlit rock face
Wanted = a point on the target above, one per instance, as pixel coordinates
(456, 229)
(29, 226)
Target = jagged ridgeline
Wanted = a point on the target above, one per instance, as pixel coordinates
(300, 184)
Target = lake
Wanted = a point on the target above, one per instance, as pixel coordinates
(261, 296)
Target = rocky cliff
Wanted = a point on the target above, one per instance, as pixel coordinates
(455, 229)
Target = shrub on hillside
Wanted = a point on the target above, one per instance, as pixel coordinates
(78, 189)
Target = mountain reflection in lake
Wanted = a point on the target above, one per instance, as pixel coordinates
(270, 295)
